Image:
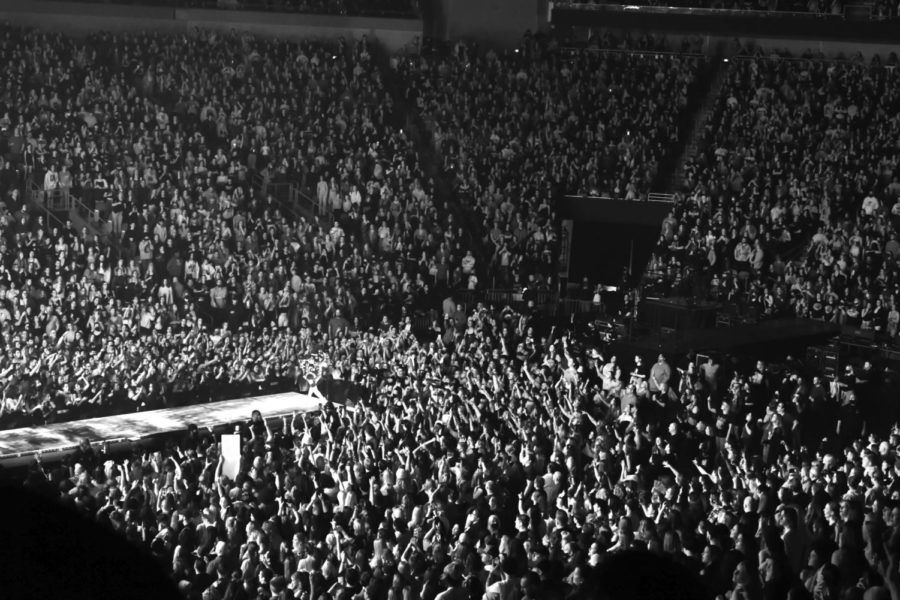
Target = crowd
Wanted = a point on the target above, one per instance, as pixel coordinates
(790, 206)
(494, 456)
(206, 284)
(184, 249)
(503, 460)
(516, 129)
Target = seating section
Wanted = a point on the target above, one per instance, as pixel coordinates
(191, 280)
(268, 214)
(516, 129)
(790, 206)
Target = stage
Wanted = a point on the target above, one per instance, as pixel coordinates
(62, 438)
(765, 337)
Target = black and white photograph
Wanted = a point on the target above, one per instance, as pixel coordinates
(449, 300)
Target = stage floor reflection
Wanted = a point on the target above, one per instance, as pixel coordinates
(134, 426)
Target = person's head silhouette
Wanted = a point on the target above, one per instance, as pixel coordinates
(52, 551)
(642, 575)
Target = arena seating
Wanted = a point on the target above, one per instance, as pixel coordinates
(518, 128)
(187, 280)
(149, 259)
(789, 206)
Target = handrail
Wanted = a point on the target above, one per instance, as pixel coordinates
(565, 252)
(865, 8)
(548, 301)
(35, 195)
(260, 181)
(661, 197)
(685, 10)
(307, 198)
(299, 196)
(591, 196)
(656, 53)
(110, 236)
(639, 200)
(264, 185)
(822, 59)
(274, 189)
(57, 199)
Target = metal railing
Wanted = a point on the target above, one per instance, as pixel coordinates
(565, 250)
(61, 200)
(682, 10)
(860, 12)
(837, 59)
(550, 303)
(259, 180)
(36, 197)
(291, 196)
(661, 197)
(102, 228)
(635, 52)
(321, 210)
(58, 199)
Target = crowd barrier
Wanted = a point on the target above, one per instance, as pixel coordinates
(549, 303)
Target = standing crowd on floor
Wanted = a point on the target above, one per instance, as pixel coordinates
(505, 460)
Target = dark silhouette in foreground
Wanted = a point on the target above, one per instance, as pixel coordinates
(51, 551)
(642, 575)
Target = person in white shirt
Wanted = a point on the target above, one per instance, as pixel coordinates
(51, 179)
(355, 196)
(336, 233)
(895, 210)
(322, 192)
(870, 205)
(820, 238)
(468, 263)
(742, 254)
(501, 584)
(611, 375)
(192, 269)
(165, 293)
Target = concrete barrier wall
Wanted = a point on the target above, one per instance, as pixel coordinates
(80, 18)
(394, 34)
(491, 22)
(729, 45)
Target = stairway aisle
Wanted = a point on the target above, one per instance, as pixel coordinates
(706, 111)
(445, 197)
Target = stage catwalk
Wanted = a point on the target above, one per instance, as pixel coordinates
(63, 437)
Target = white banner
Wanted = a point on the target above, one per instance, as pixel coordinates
(231, 452)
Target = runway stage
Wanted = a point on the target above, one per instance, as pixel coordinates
(61, 438)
